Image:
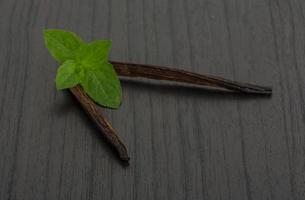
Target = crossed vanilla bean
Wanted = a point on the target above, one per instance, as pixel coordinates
(158, 73)
(92, 109)
(165, 73)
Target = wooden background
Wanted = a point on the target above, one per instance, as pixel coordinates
(184, 143)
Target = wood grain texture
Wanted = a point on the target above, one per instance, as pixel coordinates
(184, 143)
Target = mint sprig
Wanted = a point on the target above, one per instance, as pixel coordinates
(85, 64)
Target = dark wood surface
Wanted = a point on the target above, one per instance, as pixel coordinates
(184, 143)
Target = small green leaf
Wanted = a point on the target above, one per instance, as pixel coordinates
(61, 44)
(68, 75)
(103, 85)
(85, 64)
(94, 53)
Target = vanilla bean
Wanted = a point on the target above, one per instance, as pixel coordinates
(170, 74)
(102, 123)
(158, 73)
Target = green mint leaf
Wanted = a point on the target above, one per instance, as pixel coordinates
(94, 53)
(84, 64)
(68, 75)
(61, 44)
(103, 85)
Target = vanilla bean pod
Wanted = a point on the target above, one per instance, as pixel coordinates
(170, 74)
(101, 122)
(158, 73)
